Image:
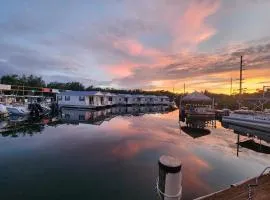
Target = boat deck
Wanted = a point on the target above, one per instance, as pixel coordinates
(241, 191)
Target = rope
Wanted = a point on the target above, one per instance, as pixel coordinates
(167, 195)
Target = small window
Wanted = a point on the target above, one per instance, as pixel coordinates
(59, 98)
(67, 98)
(91, 100)
(81, 117)
(67, 116)
(81, 98)
(119, 99)
(110, 98)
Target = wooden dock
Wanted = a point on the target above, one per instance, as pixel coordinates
(247, 190)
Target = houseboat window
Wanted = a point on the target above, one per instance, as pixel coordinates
(138, 99)
(126, 99)
(82, 98)
(67, 116)
(81, 117)
(119, 99)
(110, 98)
(59, 98)
(102, 100)
(161, 100)
(67, 98)
(151, 99)
(91, 100)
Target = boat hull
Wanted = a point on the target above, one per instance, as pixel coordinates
(263, 125)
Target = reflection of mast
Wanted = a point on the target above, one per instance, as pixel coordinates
(238, 140)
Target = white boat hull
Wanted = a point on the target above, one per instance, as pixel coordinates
(248, 122)
(13, 110)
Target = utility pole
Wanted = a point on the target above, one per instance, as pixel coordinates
(241, 75)
(231, 88)
(241, 81)
(184, 88)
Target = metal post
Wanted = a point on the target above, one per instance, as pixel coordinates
(169, 183)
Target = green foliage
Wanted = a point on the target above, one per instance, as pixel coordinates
(31, 81)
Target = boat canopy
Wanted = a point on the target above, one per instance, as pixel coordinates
(196, 97)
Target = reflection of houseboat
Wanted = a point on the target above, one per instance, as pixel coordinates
(97, 117)
(249, 118)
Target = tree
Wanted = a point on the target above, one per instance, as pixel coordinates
(12, 79)
(57, 85)
(76, 86)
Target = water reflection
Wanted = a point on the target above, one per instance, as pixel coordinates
(97, 117)
(119, 157)
(254, 139)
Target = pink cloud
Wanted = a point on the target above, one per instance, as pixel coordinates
(191, 28)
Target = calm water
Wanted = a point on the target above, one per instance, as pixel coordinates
(105, 156)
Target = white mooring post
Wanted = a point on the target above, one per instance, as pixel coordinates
(169, 183)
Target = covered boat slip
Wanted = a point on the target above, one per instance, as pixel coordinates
(97, 99)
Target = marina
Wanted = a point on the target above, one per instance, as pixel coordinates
(74, 146)
(135, 100)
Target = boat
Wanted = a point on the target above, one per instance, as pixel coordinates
(3, 111)
(18, 110)
(249, 118)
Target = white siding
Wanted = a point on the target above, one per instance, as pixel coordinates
(74, 100)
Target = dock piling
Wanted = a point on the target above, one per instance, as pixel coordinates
(169, 183)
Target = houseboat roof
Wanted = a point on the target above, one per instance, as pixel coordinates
(81, 93)
(126, 95)
(164, 96)
(110, 94)
(196, 97)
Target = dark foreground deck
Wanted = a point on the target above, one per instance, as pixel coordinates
(241, 191)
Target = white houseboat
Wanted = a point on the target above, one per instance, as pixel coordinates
(110, 99)
(164, 100)
(125, 99)
(95, 99)
(82, 99)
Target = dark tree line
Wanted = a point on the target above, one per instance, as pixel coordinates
(31, 81)
(37, 81)
(222, 100)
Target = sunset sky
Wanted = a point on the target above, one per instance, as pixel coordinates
(147, 44)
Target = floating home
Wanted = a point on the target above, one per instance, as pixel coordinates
(125, 99)
(96, 99)
(83, 99)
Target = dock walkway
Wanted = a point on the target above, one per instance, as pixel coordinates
(241, 191)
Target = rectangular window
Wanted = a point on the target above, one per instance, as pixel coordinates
(59, 98)
(81, 117)
(91, 100)
(81, 98)
(67, 98)
(110, 98)
(126, 99)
